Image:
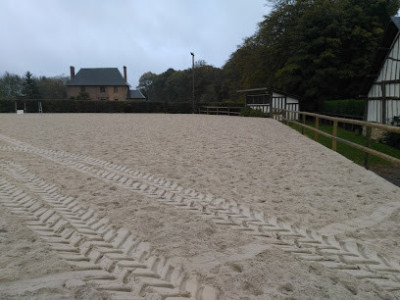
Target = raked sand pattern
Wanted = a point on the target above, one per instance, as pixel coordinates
(189, 207)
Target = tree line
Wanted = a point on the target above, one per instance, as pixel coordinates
(29, 87)
(316, 49)
(177, 86)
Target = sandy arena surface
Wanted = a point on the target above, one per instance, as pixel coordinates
(155, 206)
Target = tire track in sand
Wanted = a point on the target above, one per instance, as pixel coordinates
(117, 262)
(349, 256)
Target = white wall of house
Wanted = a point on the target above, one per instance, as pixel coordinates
(387, 87)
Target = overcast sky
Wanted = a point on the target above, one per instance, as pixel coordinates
(45, 37)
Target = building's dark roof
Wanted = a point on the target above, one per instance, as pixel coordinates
(135, 94)
(382, 52)
(266, 90)
(396, 21)
(255, 90)
(97, 76)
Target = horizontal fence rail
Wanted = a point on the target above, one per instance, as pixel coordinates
(367, 125)
(220, 110)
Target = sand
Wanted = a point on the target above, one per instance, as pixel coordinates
(221, 207)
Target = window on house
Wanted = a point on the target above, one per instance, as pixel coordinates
(115, 89)
(102, 89)
(83, 89)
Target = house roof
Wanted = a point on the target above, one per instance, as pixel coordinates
(135, 94)
(382, 52)
(97, 76)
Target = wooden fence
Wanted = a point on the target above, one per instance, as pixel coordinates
(367, 125)
(220, 110)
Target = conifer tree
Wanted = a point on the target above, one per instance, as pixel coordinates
(30, 89)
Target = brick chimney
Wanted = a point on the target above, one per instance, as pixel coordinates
(72, 72)
(125, 76)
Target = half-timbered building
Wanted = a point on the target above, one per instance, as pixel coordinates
(271, 101)
(383, 100)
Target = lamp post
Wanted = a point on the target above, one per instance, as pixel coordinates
(191, 53)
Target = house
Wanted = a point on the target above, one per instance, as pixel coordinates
(269, 101)
(100, 84)
(383, 86)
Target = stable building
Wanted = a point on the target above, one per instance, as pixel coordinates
(383, 86)
(271, 101)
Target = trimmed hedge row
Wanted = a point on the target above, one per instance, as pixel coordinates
(344, 108)
(89, 106)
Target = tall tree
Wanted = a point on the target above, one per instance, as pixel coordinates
(146, 84)
(177, 86)
(30, 89)
(52, 88)
(10, 86)
(318, 49)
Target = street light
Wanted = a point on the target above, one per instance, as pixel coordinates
(191, 53)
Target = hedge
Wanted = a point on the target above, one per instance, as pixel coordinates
(351, 108)
(90, 106)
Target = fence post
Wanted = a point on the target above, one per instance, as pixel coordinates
(287, 117)
(316, 127)
(304, 122)
(367, 144)
(335, 124)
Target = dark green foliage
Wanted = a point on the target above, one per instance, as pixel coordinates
(52, 88)
(317, 49)
(248, 112)
(30, 89)
(177, 86)
(146, 84)
(344, 108)
(392, 138)
(85, 106)
(7, 106)
(83, 96)
(10, 86)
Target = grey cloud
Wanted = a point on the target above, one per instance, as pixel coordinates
(47, 36)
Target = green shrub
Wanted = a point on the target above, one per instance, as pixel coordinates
(83, 96)
(249, 112)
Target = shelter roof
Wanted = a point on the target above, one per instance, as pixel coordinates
(135, 94)
(256, 90)
(266, 90)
